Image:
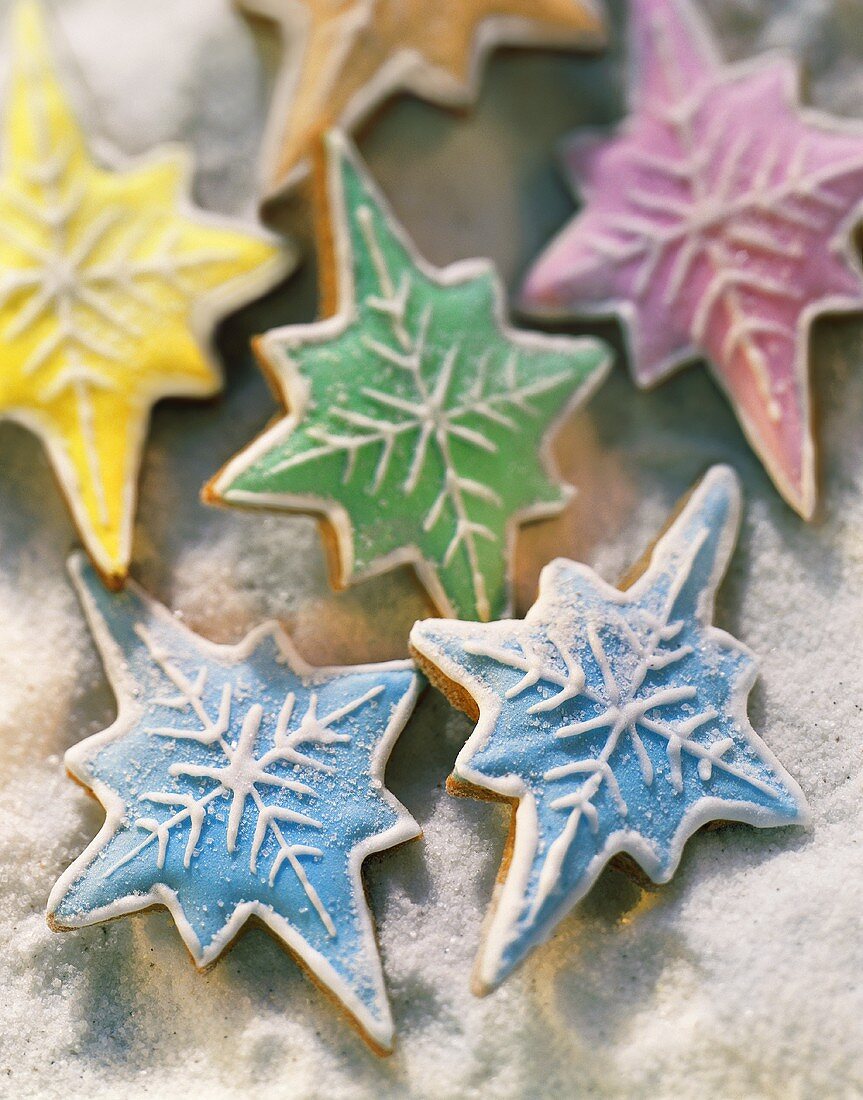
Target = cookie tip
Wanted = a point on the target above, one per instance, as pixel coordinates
(210, 492)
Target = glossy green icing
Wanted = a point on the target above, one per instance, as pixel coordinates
(417, 413)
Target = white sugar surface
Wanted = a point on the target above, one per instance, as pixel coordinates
(742, 978)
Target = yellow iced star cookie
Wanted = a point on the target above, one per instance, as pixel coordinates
(109, 284)
(342, 58)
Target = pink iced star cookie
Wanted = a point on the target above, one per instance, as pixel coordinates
(718, 222)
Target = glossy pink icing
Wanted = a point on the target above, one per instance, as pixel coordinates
(717, 222)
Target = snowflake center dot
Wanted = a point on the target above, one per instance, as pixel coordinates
(62, 279)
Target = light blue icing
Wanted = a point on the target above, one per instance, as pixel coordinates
(327, 818)
(621, 716)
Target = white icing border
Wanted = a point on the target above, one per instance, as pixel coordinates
(405, 71)
(276, 345)
(380, 1030)
(508, 898)
(623, 310)
(205, 313)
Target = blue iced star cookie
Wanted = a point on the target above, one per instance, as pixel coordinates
(616, 720)
(238, 781)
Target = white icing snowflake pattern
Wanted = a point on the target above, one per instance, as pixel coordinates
(406, 407)
(616, 719)
(429, 415)
(91, 271)
(240, 773)
(718, 221)
(627, 696)
(239, 782)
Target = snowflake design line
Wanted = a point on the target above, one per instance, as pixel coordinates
(401, 404)
(615, 720)
(241, 773)
(625, 710)
(429, 415)
(72, 280)
(69, 282)
(238, 783)
(717, 222)
(110, 282)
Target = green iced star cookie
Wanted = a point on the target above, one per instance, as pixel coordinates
(418, 422)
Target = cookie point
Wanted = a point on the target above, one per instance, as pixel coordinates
(454, 785)
(800, 493)
(114, 578)
(76, 562)
(480, 988)
(806, 503)
(415, 640)
(54, 907)
(554, 572)
(803, 819)
(540, 293)
(334, 138)
(88, 575)
(384, 1047)
(486, 977)
(55, 925)
(210, 493)
(377, 1030)
(726, 476)
(336, 145)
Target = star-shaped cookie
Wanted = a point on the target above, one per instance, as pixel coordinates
(239, 782)
(109, 285)
(342, 58)
(419, 423)
(718, 222)
(614, 721)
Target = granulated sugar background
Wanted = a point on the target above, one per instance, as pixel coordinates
(741, 978)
